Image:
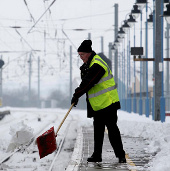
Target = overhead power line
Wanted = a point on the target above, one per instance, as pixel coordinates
(41, 16)
(6, 51)
(69, 39)
(29, 11)
(24, 39)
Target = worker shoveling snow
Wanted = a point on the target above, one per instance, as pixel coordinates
(21, 135)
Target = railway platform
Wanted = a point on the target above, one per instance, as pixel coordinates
(135, 148)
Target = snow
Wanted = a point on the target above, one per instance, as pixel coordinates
(21, 134)
(156, 134)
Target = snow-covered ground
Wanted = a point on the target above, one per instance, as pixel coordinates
(156, 133)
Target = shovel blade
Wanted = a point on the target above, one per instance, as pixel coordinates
(47, 143)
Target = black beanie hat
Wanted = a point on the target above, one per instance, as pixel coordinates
(85, 46)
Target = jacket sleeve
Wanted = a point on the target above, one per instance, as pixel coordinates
(92, 77)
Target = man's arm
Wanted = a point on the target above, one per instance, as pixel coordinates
(93, 76)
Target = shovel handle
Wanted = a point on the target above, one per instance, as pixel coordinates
(64, 119)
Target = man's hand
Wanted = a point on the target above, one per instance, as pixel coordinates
(74, 100)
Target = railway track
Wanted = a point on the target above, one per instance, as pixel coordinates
(31, 151)
(59, 148)
(25, 146)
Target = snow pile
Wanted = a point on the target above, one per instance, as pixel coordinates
(161, 146)
(21, 135)
(156, 133)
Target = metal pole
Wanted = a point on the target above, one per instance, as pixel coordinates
(102, 45)
(119, 79)
(167, 66)
(162, 98)
(130, 98)
(134, 98)
(70, 72)
(116, 53)
(127, 85)
(153, 98)
(44, 43)
(158, 61)
(110, 53)
(89, 36)
(30, 73)
(38, 81)
(123, 75)
(147, 110)
(124, 92)
(140, 100)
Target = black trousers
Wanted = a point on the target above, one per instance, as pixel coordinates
(107, 117)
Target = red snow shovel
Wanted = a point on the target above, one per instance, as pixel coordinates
(47, 141)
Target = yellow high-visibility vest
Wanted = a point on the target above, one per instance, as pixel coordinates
(104, 93)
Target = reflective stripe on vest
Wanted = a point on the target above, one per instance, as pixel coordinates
(102, 91)
(108, 69)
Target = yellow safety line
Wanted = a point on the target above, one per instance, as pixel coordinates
(128, 160)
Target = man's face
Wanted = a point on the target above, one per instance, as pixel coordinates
(84, 56)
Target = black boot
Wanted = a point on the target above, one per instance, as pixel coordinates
(122, 160)
(94, 158)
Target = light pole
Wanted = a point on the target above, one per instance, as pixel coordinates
(124, 87)
(121, 34)
(153, 98)
(147, 109)
(116, 52)
(135, 13)
(141, 4)
(162, 98)
(131, 22)
(159, 101)
(166, 14)
(160, 115)
(126, 29)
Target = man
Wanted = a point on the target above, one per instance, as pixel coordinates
(102, 101)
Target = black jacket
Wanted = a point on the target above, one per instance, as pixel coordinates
(90, 77)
